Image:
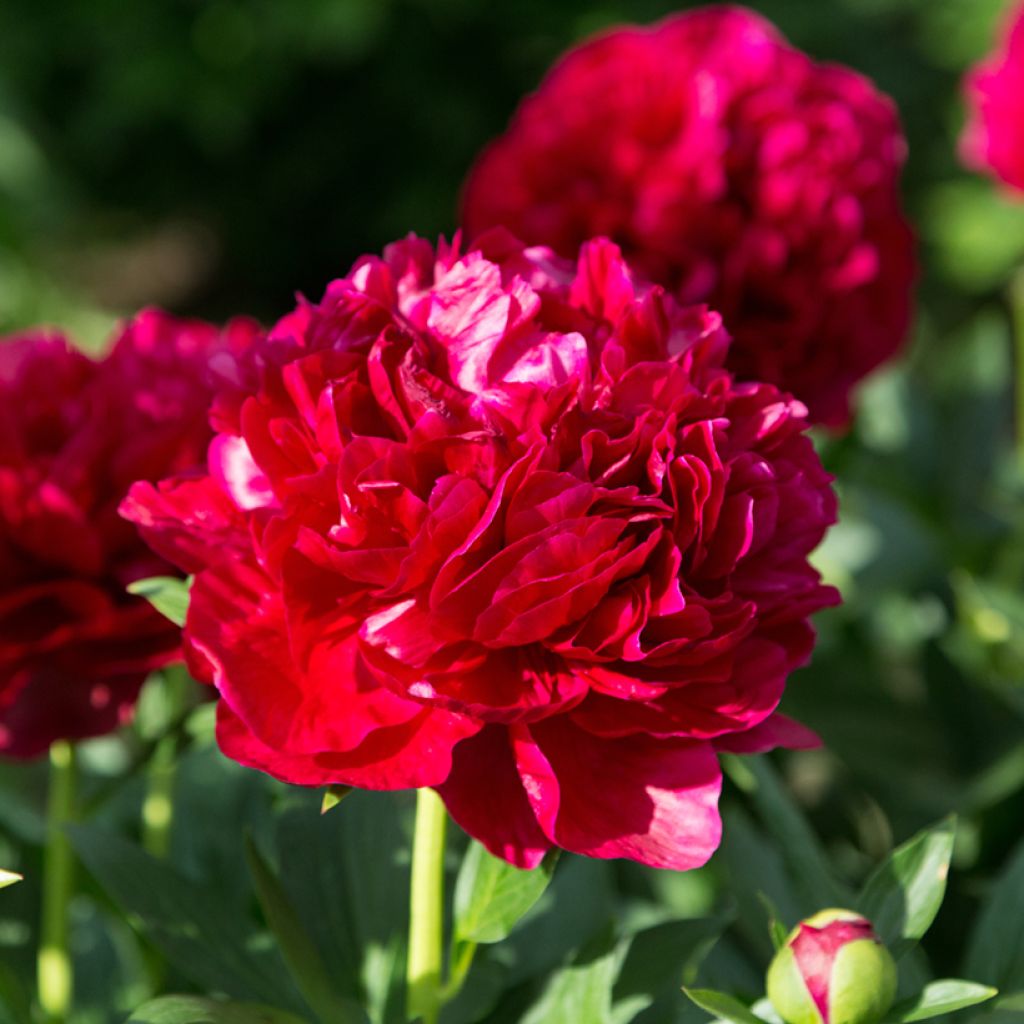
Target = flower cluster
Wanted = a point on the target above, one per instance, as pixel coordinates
(735, 171)
(993, 139)
(74, 435)
(503, 525)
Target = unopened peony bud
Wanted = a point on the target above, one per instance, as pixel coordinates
(833, 969)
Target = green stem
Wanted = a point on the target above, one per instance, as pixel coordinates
(55, 978)
(1017, 328)
(158, 804)
(426, 909)
(462, 960)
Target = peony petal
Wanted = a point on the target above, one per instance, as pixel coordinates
(237, 621)
(485, 796)
(415, 753)
(233, 467)
(651, 800)
(776, 731)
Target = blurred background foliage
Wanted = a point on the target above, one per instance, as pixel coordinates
(215, 156)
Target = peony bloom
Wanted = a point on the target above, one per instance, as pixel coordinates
(503, 526)
(733, 170)
(74, 434)
(993, 139)
(833, 969)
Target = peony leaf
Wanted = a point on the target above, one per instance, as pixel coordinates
(333, 795)
(297, 947)
(904, 893)
(659, 958)
(937, 998)
(196, 1010)
(776, 929)
(361, 936)
(8, 878)
(201, 934)
(491, 896)
(995, 952)
(722, 1006)
(582, 991)
(169, 595)
(808, 865)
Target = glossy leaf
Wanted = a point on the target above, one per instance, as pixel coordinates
(903, 895)
(722, 1006)
(8, 878)
(579, 992)
(169, 595)
(491, 896)
(938, 998)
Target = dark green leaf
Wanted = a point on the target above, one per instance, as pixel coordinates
(581, 991)
(937, 998)
(167, 594)
(722, 1006)
(995, 953)
(208, 940)
(347, 876)
(196, 1010)
(808, 866)
(491, 895)
(296, 946)
(777, 931)
(661, 958)
(903, 895)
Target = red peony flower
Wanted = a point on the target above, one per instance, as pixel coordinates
(993, 139)
(74, 434)
(506, 528)
(735, 171)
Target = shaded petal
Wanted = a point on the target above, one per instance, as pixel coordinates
(416, 753)
(652, 800)
(485, 796)
(777, 731)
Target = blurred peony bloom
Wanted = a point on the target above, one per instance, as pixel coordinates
(503, 526)
(993, 139)
(833, 969)
(74, 434)
(733, 170)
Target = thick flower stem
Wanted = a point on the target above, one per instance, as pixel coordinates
(54, 963)
(426, 909)
(158, 805)
(1017, 327)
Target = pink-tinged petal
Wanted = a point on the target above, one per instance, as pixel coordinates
(603, 285)
(233, 467)
(815, 951)
(485, 796)
(189, 521)
(776, 731)
(472, 315)
(651, 800)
